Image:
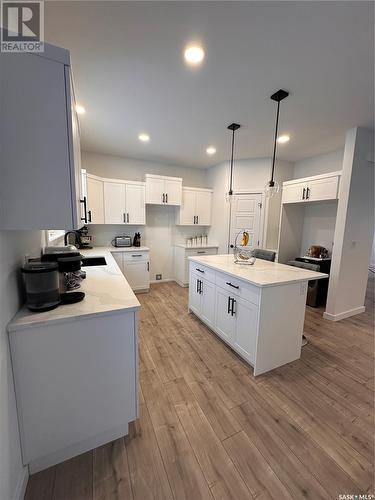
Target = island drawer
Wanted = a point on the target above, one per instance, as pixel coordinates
(204, 271)
(238, 287)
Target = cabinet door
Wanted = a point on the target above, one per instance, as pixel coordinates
(323, 189)
(155, 189)
(137, 274)
(114, 203)
(187, 214)
(203, 208)
(95, 201)
(294, 193)
(194, 295)
(208, 302)
(245, 336)
(225, 322)
(135, 204)
(36, 183)
(173, 191)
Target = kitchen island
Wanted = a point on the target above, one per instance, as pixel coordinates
(257, 310)
(75, 368)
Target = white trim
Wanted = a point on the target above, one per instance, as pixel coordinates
(343, 315)
(162, 281)
(167, 177)
(20, 490)
(204, 190)
(313, 178)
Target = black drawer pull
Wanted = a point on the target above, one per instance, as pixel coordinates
(201, 251)
(199, 270)
(137, 255)
(231, 284)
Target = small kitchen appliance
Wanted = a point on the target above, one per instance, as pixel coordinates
(42, 285)
(137, 240)
(85, 240)
(122, 241)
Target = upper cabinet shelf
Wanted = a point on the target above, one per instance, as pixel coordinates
(195, 208)
(317, 188)
(162, 190)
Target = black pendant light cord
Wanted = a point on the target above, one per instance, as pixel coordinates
(274, 145)
(231, 167)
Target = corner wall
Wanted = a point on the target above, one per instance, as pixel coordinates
(14, 245)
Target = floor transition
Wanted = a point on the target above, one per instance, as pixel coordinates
(208, 429)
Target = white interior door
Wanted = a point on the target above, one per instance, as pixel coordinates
(203, 208)
(246, 214)
(114, 203)
(95, 201)
(135, 204)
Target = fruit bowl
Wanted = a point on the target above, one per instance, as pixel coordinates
(242, 254)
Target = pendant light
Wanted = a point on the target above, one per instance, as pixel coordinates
(272, 187)
(233, 127)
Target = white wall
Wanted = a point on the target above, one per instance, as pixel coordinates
(13, 246)
(248, 175)
(319, 225)
(354, 228)
(135, 170)
(160, 233)
(322, 164)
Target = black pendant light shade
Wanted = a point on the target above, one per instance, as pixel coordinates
(278, 96)
(233, 127)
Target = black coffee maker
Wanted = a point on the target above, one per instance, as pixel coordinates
(137, 240)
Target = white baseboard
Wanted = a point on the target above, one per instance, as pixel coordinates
(162, 281)
(20, 491)
(344, 314)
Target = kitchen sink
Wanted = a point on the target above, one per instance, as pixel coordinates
(93, 261)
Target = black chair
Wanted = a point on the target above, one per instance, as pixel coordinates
(259, 253)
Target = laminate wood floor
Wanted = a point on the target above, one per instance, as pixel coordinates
(208, 429)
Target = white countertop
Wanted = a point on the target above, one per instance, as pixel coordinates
(106, 290)
(263, 273)
(121, 249)
(199, 247)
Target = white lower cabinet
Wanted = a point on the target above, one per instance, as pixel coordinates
(232, 317)
(181, 261)
(135, 266)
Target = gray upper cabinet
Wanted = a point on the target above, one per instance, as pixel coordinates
(39, 142)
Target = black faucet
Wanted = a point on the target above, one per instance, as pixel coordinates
(66, 236)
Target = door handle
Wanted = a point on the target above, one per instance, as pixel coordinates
(232, 312)
(231, 284)
(89, 212)
(84, 201)
(303, 194)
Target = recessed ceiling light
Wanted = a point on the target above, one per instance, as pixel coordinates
(283, 138)
(144, 137)
(211, 150)
(80, 109)
(194, 54)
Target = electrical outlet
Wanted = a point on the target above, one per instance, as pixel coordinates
(158, 276)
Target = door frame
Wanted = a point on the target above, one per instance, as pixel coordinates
(263, 211)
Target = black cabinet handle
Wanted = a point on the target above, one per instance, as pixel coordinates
(199, 270)
(197, 219)
(229, 301)
(166, 197)
(307, 193)
(201, 287)
(163, 198)
(84, 201)
(231, 284)
(148, 266)
(201, 251)
(124, 217)
(89, 212)
(303, 194)
(136, 255)
(232, 312)
(194, 219)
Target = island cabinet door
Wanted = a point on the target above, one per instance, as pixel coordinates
(225, 319)
(194, 293)
(246, 328)
(208, 302)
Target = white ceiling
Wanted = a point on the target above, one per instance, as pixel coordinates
(130, 75)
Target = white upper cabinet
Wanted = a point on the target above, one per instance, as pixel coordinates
(318, 188)
(162, 190)
(39, 142)
(95, 200)
(124, 202)
(195, 208)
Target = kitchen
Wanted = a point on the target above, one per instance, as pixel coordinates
(208, 319)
